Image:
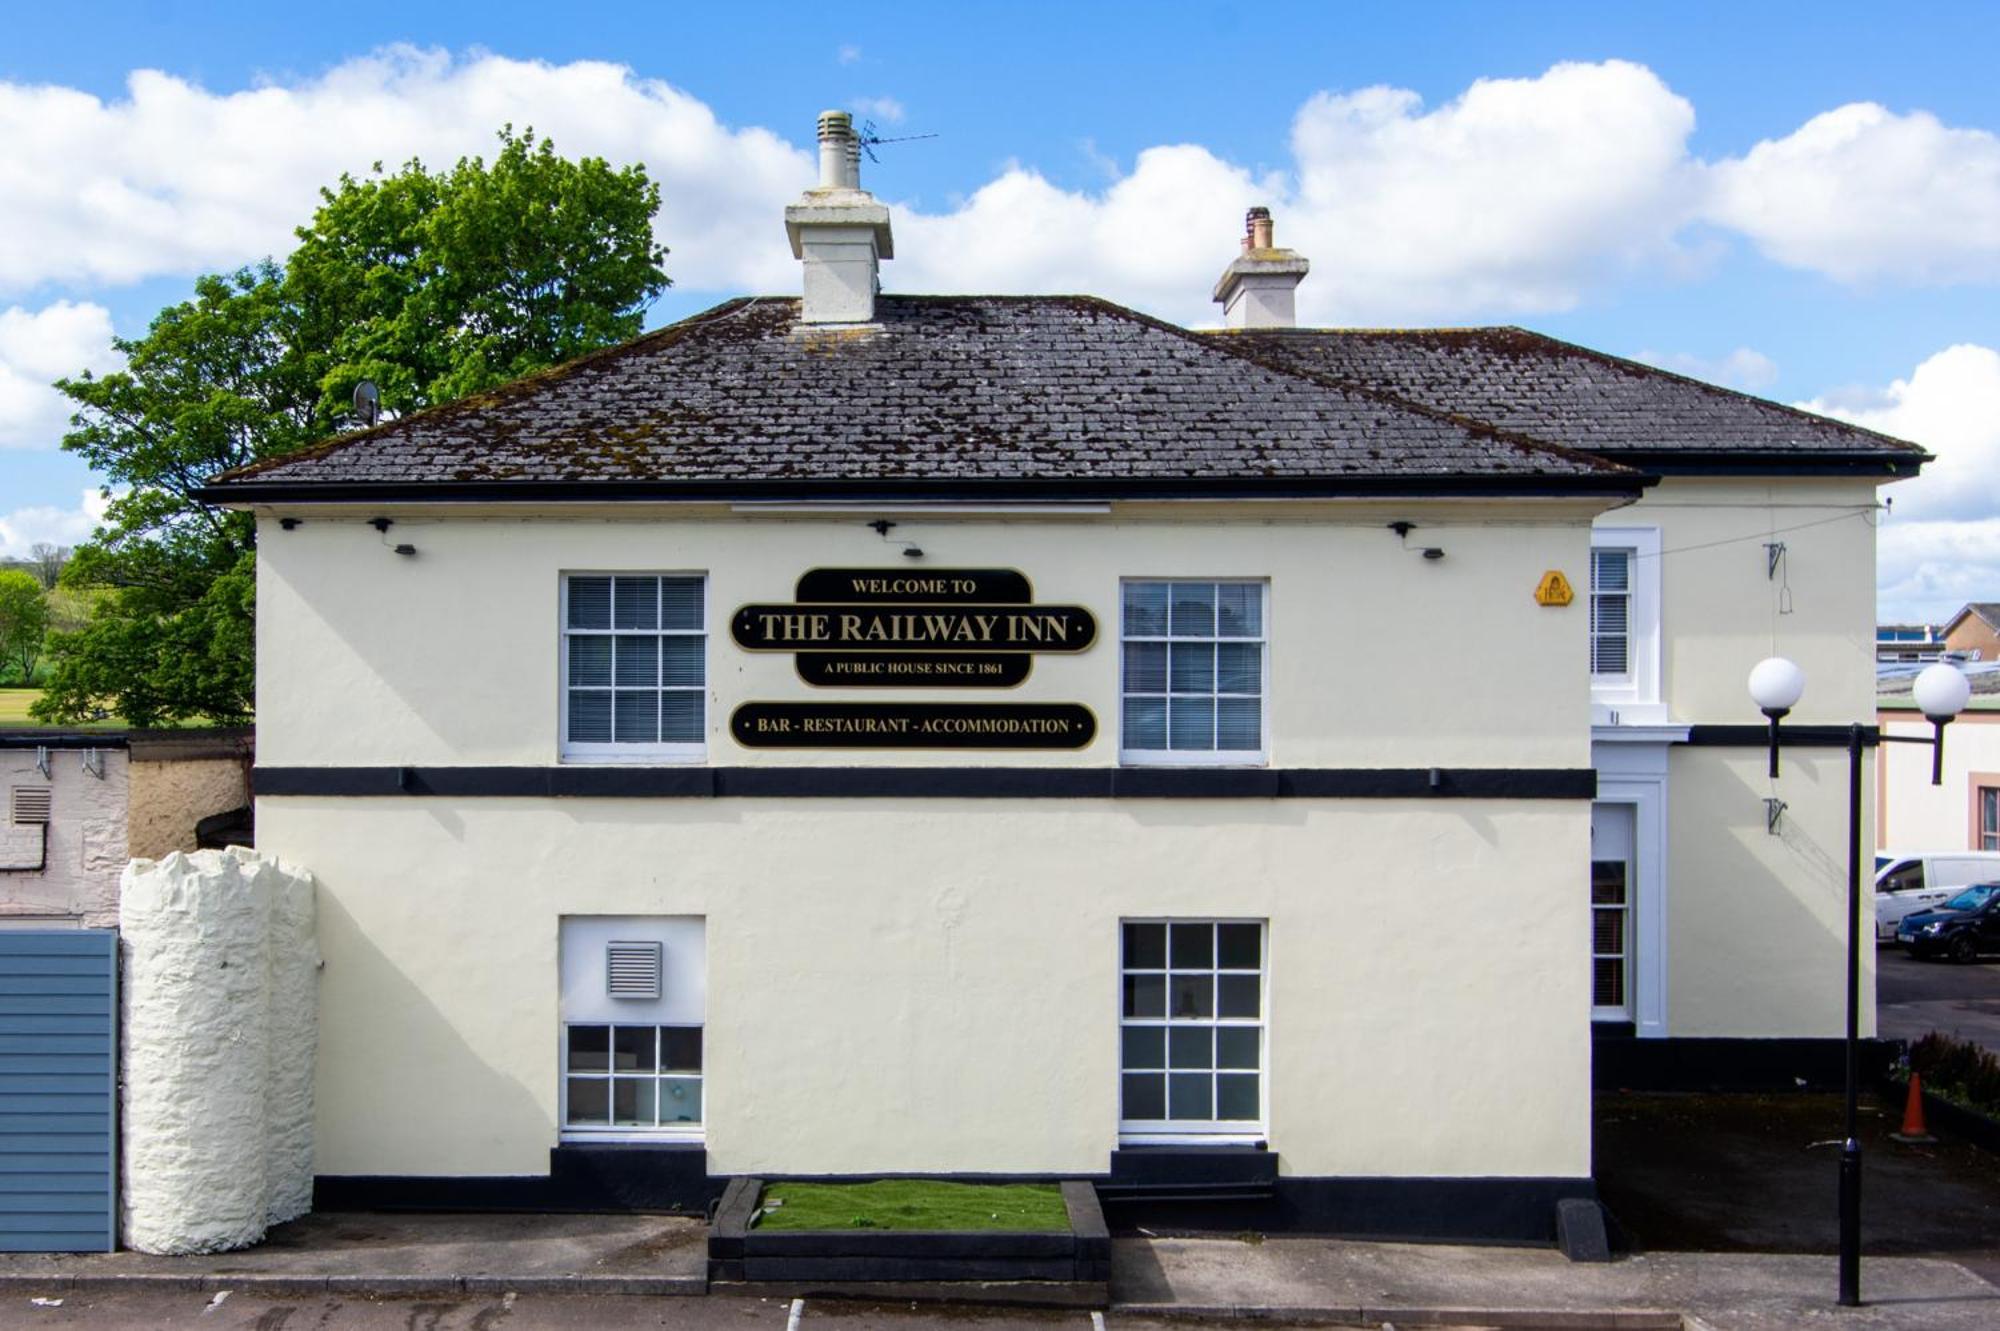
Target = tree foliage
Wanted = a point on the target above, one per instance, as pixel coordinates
(24, 621)
(431, 284)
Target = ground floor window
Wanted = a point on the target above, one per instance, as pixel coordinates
(1989, 818)
(1611, 855)
(1192, 1027)
(632, 1076)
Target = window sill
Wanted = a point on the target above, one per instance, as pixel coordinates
(640, 757)
(1255, 1138)
(1190, 758)
(698, 1136)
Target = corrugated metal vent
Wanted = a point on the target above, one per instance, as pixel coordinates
(632, 970)
(30, 805)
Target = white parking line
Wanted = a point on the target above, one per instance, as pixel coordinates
(798, 1311)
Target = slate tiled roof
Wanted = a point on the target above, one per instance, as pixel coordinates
(948, 389)
(1988, 611)
(1566, 394)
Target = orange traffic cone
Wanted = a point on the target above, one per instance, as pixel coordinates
(1913, 1115)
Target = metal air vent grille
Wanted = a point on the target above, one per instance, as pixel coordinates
(30, 805)
(632, 970)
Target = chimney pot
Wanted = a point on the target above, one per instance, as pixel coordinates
(1258, 223)
(836, 133)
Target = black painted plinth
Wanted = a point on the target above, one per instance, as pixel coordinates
(1070, 1267)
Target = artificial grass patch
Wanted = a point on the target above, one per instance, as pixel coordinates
(913, 1204)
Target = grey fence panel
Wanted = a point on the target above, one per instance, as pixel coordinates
(58, 1090)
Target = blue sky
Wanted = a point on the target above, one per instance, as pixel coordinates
(1593, 171)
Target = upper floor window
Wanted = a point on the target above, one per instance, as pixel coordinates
(1625, 621)
(634, 666)
(1194, 672)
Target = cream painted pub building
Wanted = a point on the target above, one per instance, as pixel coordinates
(862, 735)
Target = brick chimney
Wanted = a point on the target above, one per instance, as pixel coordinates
(1257, 288)
(839, 231)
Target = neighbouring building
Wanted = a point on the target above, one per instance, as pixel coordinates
(1908, 642)
(1962, 812)
(870, 734)
(80, 804)
(1974, 632)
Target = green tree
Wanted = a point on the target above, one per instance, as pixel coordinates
(24, 621)
(431, 284)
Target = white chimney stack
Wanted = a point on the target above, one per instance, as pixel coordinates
(1258, 288)
(839, 231)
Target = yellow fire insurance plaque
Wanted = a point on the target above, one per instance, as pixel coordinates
(1554, 589)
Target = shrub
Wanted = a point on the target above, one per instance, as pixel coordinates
(1959, 1070)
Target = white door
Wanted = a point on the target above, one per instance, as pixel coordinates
(1613, 841)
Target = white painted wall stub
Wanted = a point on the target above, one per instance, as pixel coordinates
(217, 1037)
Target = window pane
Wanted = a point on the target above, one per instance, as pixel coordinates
(1239, 947)
(1194, 946)
(590, 603)
(1191, 1047)
(1609, 989)
(1193, 668)
(1145, 996)
(1191, 723)
(636, 719)
(680, 1099)
(635, 603)
(1145, 947)
(1239, 667)
(590, 716)
(1607, 933)
(680, 1048)
(1610, 570)
(1607, 614)
(681, 716)
(1236, 1097)
(1236, 995)
(1144, 1047)
(1193, 996)
(1239, 610)
(1607, 882)
(589, 1100)
(1190, 1095)
(1192, 614)
(1144, 1096)
(681, 660)
(1239, 723)
(638, 662)
(632, 1049)
(680, 603)
(1236, 1047)
(632, 1102)
(1145, 723)
(1145, 667)
(590, 660)
(589, 1048)
(1145, 609)
(1608, 656)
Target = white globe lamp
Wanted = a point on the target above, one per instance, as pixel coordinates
(1776, 685)
(1941, 691)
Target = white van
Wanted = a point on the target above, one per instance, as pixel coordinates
(1909, 883)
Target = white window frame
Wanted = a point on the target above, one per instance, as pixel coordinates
(1632, 767)
(1187, 1132)
(1258, 757)
(630, 1132)
(601, 752)
(1634, 696)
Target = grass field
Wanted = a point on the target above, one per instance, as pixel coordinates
(914, 1204)
(14, 714)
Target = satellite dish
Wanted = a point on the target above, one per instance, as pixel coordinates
(367, 402)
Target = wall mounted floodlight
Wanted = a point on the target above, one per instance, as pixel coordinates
(1776, 685)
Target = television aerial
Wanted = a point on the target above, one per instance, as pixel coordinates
(868, 138)
(367, 402)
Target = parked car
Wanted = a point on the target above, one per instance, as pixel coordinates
(1966, 926)
(1912, 882)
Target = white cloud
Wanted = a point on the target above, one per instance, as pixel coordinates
(24, 528)
(848, 53)
(173, 178)
(1745, 368)
(36, 348)
(1520, 195)
(1861, 193)
(1940, 545)
(885, 109)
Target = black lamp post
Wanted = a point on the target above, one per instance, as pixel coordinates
(1776, 685)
